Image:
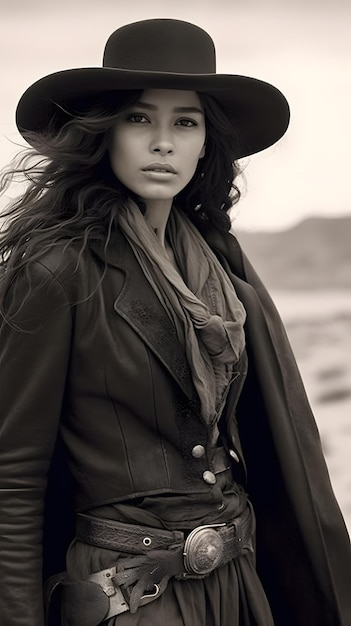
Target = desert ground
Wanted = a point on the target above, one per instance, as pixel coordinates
(319, 328)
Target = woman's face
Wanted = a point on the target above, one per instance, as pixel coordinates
(157, 143)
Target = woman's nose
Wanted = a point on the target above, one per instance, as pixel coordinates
(163, 148)
(162, 144)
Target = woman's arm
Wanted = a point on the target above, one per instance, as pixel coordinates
(33, 371)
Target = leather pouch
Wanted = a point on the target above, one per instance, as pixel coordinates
(83, 603)
(74, 603)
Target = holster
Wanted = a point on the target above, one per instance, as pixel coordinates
(74, 603)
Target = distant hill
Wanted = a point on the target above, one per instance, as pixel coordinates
(314, 254)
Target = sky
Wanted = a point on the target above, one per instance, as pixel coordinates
(303, 47)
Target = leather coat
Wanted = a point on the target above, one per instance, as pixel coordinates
(109, 376)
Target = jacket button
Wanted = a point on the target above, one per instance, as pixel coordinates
(234, 456)
(198, 451)
(209, 477)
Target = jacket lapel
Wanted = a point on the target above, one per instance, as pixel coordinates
(139, 306)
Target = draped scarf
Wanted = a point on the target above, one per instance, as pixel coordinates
(199, 299)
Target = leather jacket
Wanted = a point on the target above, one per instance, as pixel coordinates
(101, 365)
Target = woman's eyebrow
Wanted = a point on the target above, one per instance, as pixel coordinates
(153, 107)
(187, 110)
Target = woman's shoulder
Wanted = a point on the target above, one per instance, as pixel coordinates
(70, 265)
(61, 258)
(52, 279)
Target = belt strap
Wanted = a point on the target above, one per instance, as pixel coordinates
(136, 539)
(155, 555)
(130, 538)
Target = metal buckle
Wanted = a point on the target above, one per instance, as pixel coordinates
(203, 549)
(118, 603)
(147, 597)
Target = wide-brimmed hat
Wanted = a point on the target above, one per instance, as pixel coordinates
(161, 54)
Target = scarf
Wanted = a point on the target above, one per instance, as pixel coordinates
(201, 301)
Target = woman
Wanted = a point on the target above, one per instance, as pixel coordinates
(140, 351)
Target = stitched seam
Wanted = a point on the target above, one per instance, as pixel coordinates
(120, 429)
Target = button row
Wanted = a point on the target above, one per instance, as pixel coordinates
(198, 452)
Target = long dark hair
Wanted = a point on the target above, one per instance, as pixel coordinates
(72, 193)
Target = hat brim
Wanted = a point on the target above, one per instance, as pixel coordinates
(258, 111)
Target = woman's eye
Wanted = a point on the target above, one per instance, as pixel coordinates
(137, 118)
(186, 122)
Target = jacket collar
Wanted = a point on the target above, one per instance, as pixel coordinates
(138, 304)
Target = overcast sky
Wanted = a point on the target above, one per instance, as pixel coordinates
(301, 46)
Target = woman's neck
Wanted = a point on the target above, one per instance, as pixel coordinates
(157, 214)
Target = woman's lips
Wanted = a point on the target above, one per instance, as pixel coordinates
(160, 168)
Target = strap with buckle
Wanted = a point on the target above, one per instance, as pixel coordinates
(119, 601)
(155, 555)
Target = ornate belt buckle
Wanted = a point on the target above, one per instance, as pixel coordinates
(203, 550)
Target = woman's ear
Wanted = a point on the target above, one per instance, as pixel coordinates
(203, 151)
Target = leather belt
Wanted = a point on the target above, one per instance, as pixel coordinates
(131, 538)
(161, 554)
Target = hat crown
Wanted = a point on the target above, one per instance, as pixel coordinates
(161, 45)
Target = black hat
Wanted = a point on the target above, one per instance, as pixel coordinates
(162, 54)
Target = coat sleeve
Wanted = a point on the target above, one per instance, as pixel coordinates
(34, 358)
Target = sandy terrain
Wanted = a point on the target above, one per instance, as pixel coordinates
(319, 327)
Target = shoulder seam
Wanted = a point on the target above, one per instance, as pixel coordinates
(57, 280)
